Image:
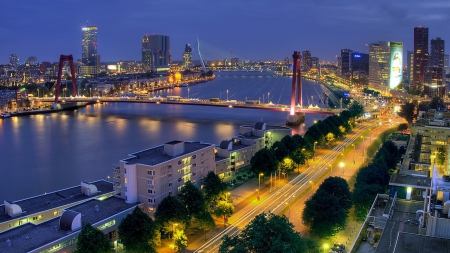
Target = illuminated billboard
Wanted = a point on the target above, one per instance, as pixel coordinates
(395, 73)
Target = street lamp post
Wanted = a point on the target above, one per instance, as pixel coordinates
(268, 97)
(188, 92)
(259, 184)
(227, 95)
(341, 164)
(314, 149)
(312, 184)
(289, 213)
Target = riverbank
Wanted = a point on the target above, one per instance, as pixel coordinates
(65, 107)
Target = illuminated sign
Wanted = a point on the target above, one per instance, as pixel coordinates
(84, 29)
(395, 73)
(357, 55)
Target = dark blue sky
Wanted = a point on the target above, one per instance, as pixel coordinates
(252, 29)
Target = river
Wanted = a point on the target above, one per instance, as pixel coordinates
(43, 153)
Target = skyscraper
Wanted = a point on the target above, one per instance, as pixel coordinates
(307, 60)
(147, 55)
(410, 66)
(434, 75)
(160, 48)
(187, 56)
(13, 59)
(89, 51)
(379, 54)
(420, 56)
(345, 61)
(359, 67)
(446, 63)
(315, 62)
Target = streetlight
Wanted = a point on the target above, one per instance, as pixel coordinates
(314, 150)
(259, 182)
(227, 95)
(188, 92)
(331, 168)
(268, 97)
(312, 184)
(341, 164)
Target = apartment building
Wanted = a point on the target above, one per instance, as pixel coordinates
(234, 154)
(150, 175)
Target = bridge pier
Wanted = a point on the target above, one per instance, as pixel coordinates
(294, 118)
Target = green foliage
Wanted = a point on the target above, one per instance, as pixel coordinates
(169, 212)
(214, 188)
(224, 209)
(287, 165)
(239, 178)
(407, 111)
(267, 233)
(323, 214)
(440, 156)
(298, 156)
(436, 103)
(137, 232)
(289, 142)
(339, 188)
(192, 198)
(402, 127)
(264, 161)
(181, 240)
(356, 110)
(204, 221)
(279, 150)
(92, 240)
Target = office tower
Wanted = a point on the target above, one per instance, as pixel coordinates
(306, 60)
(409, 67)
(13, 59)
(434, 76)
(160, 48)
(446, 63)
(359, 67)
(32, 59)
(345, 61)
(287, 61)
(89, 51)
(187, 56)
(420, 56)
(379, 54)
(147, 56)
(315, 62)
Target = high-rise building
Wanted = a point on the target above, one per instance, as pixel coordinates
(420, 56)
(89, 51)
(306, 60)
(287, 61)
(446, 63)
(147, 55)
(379, 54)
(13, 59)
(160, 48)
(32, 60)
(345, 61)
(359, 67)
(434, 84)
(409, 67)
(315, 62)
(187, 56)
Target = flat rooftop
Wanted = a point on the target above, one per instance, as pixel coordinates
(239, 146)
(156, 155)
(29, 237)
(56, 199)
(219, 158)
(415, 243)
(415, 181)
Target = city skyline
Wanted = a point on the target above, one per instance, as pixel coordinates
(323, 28)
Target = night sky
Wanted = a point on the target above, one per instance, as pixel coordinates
(252, 29)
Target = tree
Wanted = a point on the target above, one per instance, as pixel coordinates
(264, 161)
(214, 188)
(204, 221)
(137, 231)
(299, 141)
(323, 214)
(192, 198)
(436, 103)
(279, 150)
(170, 212)
(440, 156)
(339, 188)
(224, 209)
(356, 110)
(402, 127)
(92, 240)
(287, 165)
(299, 157)
(265, 233)
(289, 143)
(407, 111)
(181, 240)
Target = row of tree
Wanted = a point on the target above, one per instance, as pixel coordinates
(374, 178)
(292, 151)
(326, 211)
(139, 233)
(408, 110)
